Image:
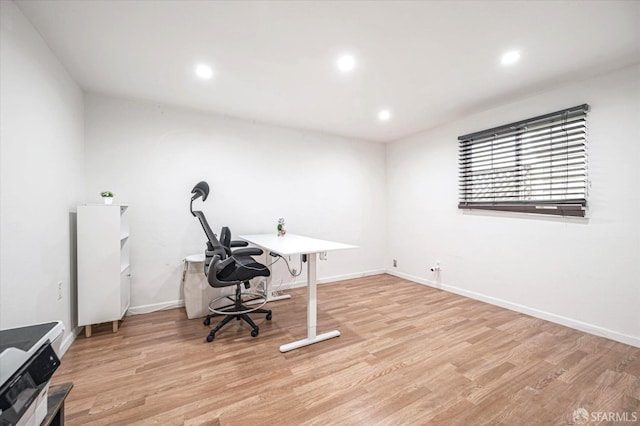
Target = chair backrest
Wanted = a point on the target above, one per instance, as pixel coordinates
(215, 252)
(215, 247)
(202, 190)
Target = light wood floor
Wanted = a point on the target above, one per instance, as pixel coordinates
(408, 354)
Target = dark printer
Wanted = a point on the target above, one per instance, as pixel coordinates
(28, 359)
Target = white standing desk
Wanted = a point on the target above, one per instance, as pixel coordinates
(298, 245)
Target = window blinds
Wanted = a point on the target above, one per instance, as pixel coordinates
(537, 165)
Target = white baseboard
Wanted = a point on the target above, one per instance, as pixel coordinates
(69, 339)
(334, 278)
(147, 309)
(414, 278)
(558, 319)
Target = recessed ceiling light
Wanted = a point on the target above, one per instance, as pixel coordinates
(384, 115)
(510, 58)
(346, 63)
(204, 71)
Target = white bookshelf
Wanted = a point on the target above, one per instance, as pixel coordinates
(104, 276)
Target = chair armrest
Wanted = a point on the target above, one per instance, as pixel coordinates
(248, 252)
(238, 243)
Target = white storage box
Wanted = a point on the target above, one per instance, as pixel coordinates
(197, 291)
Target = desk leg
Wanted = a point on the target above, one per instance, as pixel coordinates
(312, 313)
(312, 297)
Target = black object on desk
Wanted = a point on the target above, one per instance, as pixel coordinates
(55, 411)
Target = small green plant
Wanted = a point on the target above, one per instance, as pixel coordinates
(281, 230)
(106, 194)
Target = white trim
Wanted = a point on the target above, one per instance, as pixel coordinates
(69, 339)
(352, 276)
(335, 278)
(146, 309)
(558, 319)
(414, 279)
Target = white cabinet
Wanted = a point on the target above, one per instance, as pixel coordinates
(104, 277)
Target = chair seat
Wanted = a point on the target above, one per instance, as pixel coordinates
(245, 269)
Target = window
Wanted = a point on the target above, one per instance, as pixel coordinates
(537, 165)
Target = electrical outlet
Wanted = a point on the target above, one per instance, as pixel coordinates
(59, 290)
(395, 263)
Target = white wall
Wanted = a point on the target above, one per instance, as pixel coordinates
(151, 156)
(580, 272)
(41, 154)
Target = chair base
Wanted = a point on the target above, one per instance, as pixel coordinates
(237, 310)
(259, 299)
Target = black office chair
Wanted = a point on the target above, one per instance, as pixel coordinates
(225, 267)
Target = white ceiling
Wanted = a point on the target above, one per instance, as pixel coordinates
(274, 61)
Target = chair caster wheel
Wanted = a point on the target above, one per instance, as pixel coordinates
(210, 337)
(269, 316)
(207, 321)
(254, 332)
